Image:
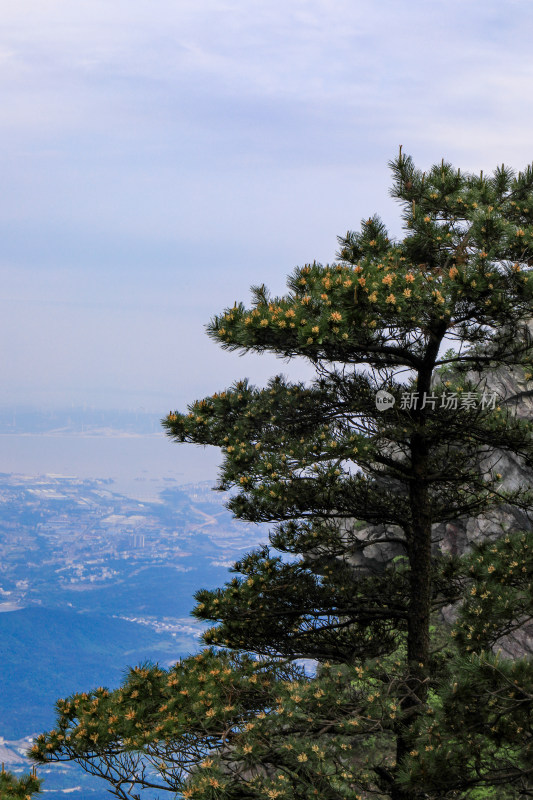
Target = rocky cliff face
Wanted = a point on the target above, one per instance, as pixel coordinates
(458, 537)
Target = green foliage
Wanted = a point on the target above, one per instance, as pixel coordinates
(481, 734)
(389, 704)
(499, 601)
(12, 788)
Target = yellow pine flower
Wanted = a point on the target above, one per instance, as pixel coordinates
(390, 298)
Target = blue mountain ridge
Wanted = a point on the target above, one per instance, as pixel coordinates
(51, 653)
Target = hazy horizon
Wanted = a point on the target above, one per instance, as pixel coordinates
(158, 159)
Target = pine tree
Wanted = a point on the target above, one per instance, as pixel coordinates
(396, 434)
(13, 788)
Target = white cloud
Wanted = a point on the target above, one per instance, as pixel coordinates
(208, 145)
(173, 69)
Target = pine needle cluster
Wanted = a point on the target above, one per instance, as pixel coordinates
(329, 671)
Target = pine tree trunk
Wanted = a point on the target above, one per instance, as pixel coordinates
(418, 619)
(415, 688)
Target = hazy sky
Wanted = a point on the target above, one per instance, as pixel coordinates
(159, 156)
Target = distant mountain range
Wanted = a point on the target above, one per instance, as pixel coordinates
(92, 582)
(51, 653)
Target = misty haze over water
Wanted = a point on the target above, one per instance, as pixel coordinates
(140, 464)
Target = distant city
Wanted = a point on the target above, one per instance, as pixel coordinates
(93, 579)
(61, 534)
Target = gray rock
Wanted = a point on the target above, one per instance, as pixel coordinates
(371, 553)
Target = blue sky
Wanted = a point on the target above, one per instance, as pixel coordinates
(159, 157)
